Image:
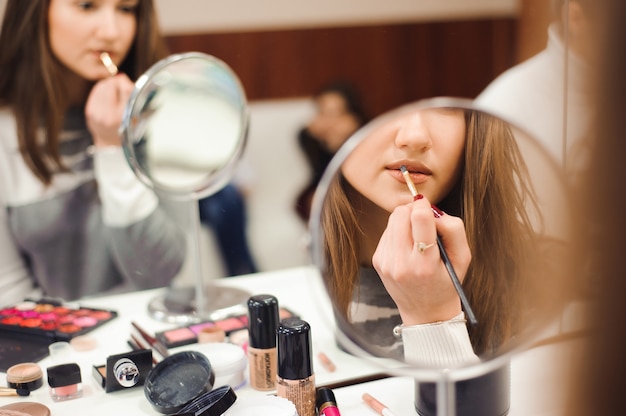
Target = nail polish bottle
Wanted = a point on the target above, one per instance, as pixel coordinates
(296, 380)
(65, 382)
(262, 324)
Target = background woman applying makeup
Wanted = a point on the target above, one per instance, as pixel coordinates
(75, 221)
(467, 163)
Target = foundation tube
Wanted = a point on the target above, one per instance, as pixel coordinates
(295, 379)
(262, 324)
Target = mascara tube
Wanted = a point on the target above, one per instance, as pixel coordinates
(296, 381)
(262, 324)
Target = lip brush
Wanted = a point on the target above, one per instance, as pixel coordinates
(444, 256)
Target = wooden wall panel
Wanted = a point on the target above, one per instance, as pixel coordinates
(390, 64)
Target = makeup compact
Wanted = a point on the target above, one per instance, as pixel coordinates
(123, 371)
(25, 408)
(26, 329)
(178, 380)
(191, 334)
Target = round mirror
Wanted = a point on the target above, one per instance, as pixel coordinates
(438, 230)
(184, 130)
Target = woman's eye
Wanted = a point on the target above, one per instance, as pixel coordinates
(129, 7)
(86, 5)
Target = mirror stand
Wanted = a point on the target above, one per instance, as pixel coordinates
(204, 301)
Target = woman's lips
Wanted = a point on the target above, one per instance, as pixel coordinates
(417, 177)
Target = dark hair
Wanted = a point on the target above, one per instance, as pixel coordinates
(351, 96)
(31, 82)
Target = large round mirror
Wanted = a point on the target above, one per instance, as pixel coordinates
(184, 130)
(438, 230)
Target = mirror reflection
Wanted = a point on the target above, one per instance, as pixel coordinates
(494, 214)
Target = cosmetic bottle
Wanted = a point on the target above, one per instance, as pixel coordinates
(295, 379)
(65, 382)
(262, 324)
(326, 402)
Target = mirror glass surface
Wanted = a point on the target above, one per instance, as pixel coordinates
(185, 125)
(513, 202)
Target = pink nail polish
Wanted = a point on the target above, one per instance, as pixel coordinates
(436, 211)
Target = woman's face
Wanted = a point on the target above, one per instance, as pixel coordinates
(333, 123)
(429, 142)
(80, 31)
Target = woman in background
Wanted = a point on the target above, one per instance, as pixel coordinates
(74, 219)
(339, 113)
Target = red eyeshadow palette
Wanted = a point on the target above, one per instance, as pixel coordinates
(186, 335)
(51, 320)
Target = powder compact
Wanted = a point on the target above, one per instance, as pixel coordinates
(26, 329)
(25, 376)
(181, 384)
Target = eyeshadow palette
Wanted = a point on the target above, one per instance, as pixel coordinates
(52, 321)
(186, 335)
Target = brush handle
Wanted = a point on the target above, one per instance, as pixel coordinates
(457, 284)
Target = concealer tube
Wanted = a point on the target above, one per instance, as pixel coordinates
(262, 324)
(295, 379)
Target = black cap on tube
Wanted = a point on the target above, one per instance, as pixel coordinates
(262, 321)
(324, 395)
(294, 349)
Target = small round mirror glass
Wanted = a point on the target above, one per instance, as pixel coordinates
(429, 195)
(184, 130)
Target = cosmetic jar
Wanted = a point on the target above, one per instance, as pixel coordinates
(262, 324)
(60, 352)
(229, 363)
(177, 380)
(262, 405)
(26, 408)
(26, 376)
(65, 382)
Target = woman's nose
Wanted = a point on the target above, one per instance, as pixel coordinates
(412, 132)
(108, 25)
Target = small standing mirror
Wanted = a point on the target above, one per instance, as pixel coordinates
(184, 130)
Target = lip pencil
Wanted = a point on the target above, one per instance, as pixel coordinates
(444, 256)
(377, 406)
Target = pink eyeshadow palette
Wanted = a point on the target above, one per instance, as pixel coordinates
(50, 320)
(186, 335)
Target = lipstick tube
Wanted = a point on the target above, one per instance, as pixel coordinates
(295, 380)
(326, 402)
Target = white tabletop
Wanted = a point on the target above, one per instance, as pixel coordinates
(534, 373)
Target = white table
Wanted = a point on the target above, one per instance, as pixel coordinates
(535, 373)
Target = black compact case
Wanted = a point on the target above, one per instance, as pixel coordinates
(123, 371)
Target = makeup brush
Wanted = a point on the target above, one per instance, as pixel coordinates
(7, 391)
(444, 256)
(108, 63)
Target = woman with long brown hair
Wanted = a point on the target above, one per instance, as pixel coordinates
(383, 270)
(75, 220)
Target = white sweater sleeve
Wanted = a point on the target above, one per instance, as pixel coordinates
(438, 344)
(125, 199)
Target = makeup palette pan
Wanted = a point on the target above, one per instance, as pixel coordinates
(177, 380)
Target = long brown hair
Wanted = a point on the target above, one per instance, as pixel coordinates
(31, 82)
(490, 197)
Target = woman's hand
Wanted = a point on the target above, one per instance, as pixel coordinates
(105, 108)
(417, 280)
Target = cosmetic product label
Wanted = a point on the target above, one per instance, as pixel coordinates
(300, 392)
(262, 364)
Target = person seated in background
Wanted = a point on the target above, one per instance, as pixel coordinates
(339, 114)
(74, 219)
(532, 94)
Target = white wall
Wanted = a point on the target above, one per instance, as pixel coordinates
(189, 16)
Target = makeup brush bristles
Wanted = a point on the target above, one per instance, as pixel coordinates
(7, 391)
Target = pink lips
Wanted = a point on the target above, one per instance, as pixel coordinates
(418, 173)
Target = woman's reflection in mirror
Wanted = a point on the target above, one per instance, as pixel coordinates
(339, 112)
(383, 269)
(73, 225)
